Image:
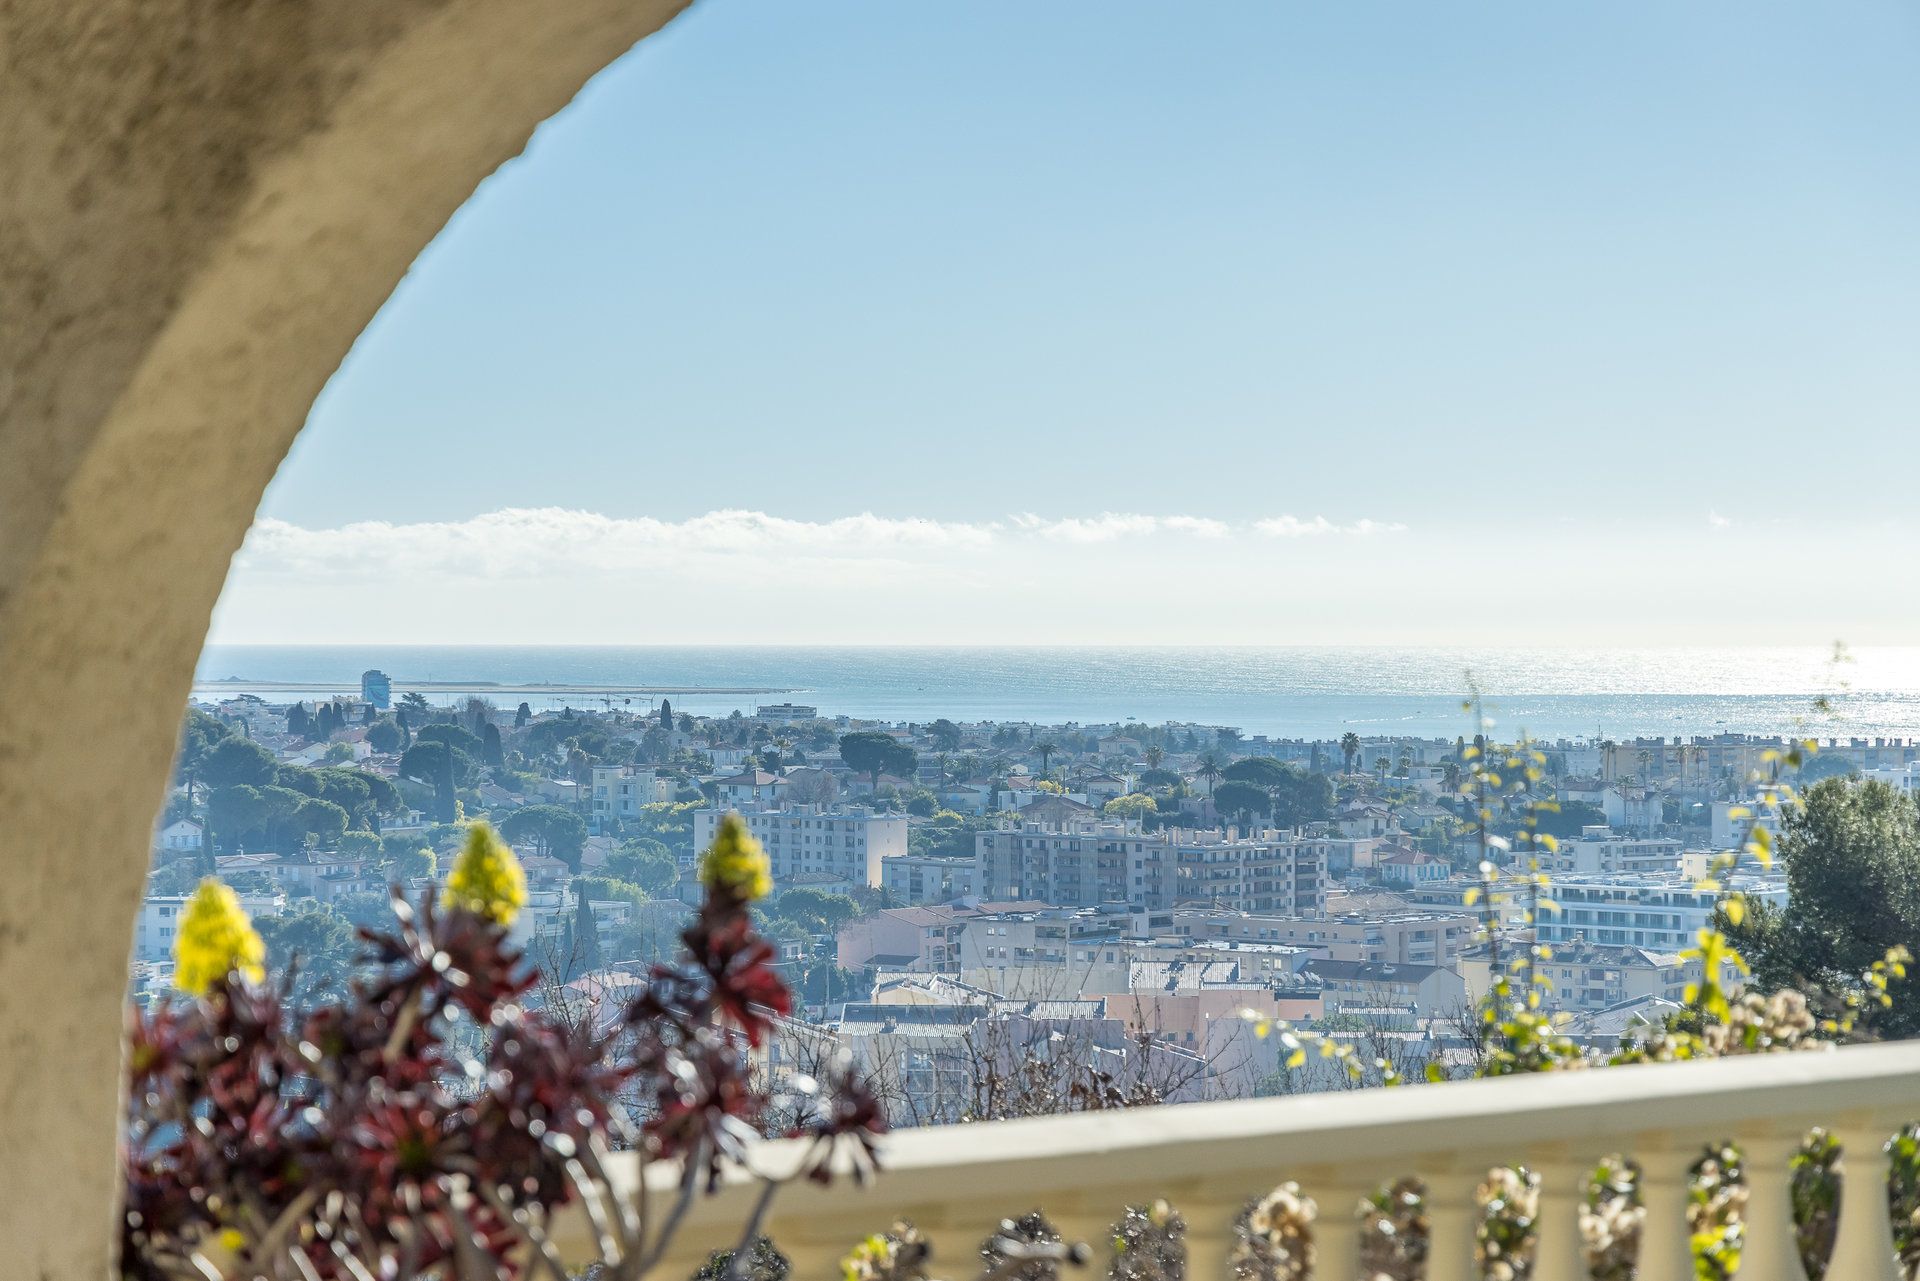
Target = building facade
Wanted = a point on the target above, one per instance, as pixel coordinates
(843, 843)
(1664, 913)
(1095, 862)
(927, 878)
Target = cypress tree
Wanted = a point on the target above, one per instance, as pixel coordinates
(586, 934)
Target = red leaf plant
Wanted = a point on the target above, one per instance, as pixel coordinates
(434, 1124)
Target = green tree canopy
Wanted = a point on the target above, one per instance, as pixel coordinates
(320, 942)
(1261, 771)
(816, 910)
(235, 762)
(1242, 800)
(413, 864)
(647, 863)
(873, 754)
(384, 736)
(453, 736)
(1852, 853)
(554, 831)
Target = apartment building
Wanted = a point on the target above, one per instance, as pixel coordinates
(921, 940)
(786, 713)
(1733, 823)
(1380, 991)
(927, 878)
(1902, 778)
(620, 791)
(1399, 938)
(159, 922)
(1086, 863)
(1027, 962)
(1599, 849)
(835, 842)
(1585, 977)
(1664, 913)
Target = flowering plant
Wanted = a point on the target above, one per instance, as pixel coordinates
(363, 1141)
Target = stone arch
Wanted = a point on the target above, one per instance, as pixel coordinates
(207, 202)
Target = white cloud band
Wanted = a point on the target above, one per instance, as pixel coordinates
(518, 541)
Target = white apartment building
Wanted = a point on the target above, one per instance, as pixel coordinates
(927, 878)
(1599, 849)
(1086, 863)
(1733, 820)
(1397, 938)
(786, 713)
(1664, 913)
(845, 843)
(620, 791)
(159, 922)
(1902, 778)
(1585, 978)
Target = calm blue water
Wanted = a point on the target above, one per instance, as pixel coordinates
(1290, 692)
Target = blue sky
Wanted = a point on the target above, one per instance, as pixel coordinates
(1636, 284)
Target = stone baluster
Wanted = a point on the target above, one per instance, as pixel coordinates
(1091, 1221)
(1210, 1236)
(1863, 1246)
(953, 1233)
(1336, 1232)
(1666, 1183)
(1769, 1247)
(1453, 1220)
(1560, 1247)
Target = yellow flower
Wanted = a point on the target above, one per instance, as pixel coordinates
(735, 864)
(487, 878)
(215, 939)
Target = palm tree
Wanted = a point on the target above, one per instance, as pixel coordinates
(1153, 756)
(1046, 748)
(1209, 768)
(1349, 749)
(1380, 764)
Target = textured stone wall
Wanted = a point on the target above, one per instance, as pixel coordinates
(204, 203)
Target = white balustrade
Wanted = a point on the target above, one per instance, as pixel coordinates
(1666, 1251)
(1859, 1247)
(1559, 1248)
(1453, 1216)
(1208, 1160)
(1771, 1249)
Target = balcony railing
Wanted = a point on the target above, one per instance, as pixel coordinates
(1208, 1160)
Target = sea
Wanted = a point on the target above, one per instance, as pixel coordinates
(1280, 692)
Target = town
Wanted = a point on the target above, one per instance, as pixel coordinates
(976, 912)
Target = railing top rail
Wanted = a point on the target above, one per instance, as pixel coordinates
(1250, 1144)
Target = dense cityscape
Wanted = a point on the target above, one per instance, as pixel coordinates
(960, 904)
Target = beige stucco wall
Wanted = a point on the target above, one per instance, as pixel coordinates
(205, 201)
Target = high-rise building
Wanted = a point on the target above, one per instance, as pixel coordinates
(377, 688)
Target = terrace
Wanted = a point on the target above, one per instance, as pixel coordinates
(213, 222)
(1208, 1160)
